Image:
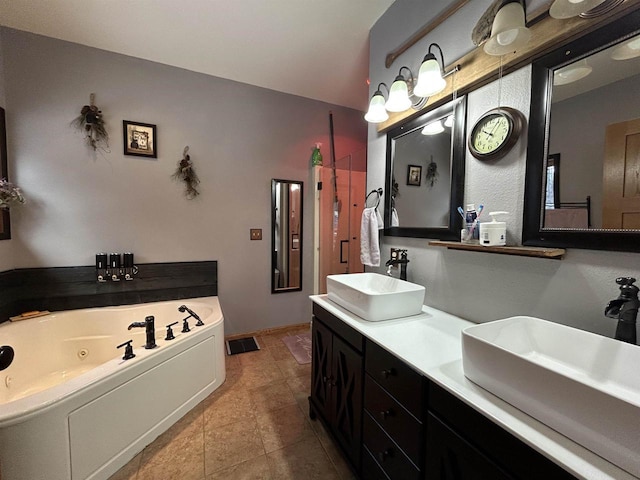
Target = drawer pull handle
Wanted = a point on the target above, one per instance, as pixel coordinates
(388, 453)
(387, 373)
(329, 380)
(386, 413)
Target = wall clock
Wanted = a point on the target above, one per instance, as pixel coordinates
(495, 133)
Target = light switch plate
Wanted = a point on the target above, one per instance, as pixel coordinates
(255, 233)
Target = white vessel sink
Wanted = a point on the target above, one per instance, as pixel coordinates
(583, 385)
(375, 297)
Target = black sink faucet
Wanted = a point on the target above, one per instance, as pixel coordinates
(625, 309)
(149, 325)
(394, 261)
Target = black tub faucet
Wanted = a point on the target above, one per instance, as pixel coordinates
(149, 325)
(625, 309)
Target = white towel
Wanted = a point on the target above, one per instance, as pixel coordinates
(379, 218)
(395, 221)
(369, 245)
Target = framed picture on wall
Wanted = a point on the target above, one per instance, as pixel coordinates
(139, 139)
(414, 175)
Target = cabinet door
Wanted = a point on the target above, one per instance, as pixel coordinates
(321, 379)
(347, 398)
(450, 457)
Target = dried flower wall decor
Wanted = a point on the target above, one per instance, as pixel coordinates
(186, 173)
(90, 122)
(10, 194)
(432, 172)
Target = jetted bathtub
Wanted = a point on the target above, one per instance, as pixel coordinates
(72, 408)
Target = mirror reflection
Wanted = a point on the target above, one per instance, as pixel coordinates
(425, 171)
(286, 235)
(583, 166)
(593, 154)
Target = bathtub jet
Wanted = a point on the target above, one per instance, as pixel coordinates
(6, 356)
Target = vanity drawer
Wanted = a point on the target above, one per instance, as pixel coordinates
(404, 428)
(405, 384)
(389, 456)
(370, 468)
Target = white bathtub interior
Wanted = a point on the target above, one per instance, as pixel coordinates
(90, 412)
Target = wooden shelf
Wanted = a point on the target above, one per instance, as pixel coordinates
(539, 252)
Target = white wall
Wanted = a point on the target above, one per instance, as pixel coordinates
(82, 202)
(481, 286)
(6, 246)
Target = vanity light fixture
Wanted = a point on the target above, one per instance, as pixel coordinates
(410, 92)
(377, 113)
(508, 32)
(572, 8)
(399, 100)
(430, 75)
(433, 128)
(627, 50)
(448, 122)
(572, 73)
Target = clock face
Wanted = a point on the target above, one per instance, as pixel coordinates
(491, 133)
(495, 133)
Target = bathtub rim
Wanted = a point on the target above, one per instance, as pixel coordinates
(25, 408)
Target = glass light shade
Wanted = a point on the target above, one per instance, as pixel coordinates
(572, 8)
(398, 96)
(627, 50)
(433, 128)
(430, 79)
(508, 32)
(572, 73)
(448, 122)
(376, 112)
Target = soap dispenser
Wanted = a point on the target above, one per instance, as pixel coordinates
(493, 233)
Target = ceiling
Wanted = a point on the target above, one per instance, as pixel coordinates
(317, 49)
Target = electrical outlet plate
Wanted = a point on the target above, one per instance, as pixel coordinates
(255, 234)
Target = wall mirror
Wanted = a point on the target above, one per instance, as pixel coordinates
(425, 174)
(286, 236)
(583, 158)
(5, 224)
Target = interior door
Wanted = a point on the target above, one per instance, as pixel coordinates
(621, 176)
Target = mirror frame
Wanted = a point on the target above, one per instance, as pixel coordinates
(537, 150)
(458, 156)
(5, 233)
(274, 261)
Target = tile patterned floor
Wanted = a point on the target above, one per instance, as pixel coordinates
(255, 426)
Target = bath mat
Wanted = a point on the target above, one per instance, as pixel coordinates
(300, 347)
(242, 345)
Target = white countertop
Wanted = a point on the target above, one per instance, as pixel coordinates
(431, 343)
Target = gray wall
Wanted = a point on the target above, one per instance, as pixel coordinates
(82, 202)
(481, 286)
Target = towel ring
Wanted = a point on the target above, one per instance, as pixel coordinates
(379, 194)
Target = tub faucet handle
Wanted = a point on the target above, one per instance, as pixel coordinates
(170, 335)
(128, 351)
(185, 325)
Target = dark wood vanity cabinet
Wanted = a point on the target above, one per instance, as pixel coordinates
(336, 381)
(464, 444)
(394, 424)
